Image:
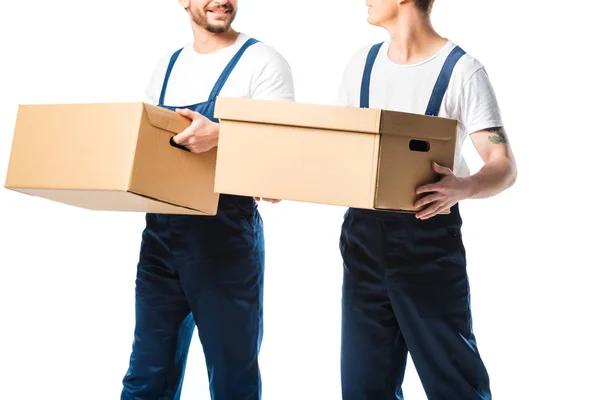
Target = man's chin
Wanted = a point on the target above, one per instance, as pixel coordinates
(217, 28)
(372, 21)
(219, 25)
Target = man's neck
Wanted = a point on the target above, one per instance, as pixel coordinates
(207, 42)
(413, 38)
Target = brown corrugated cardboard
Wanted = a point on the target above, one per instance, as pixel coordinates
(345, 156)
(110, 156)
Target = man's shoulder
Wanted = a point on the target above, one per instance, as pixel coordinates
(359, 56)
(467, 66)
(269, 71)
(261, 53)
(160, 67)
(356, 61)
(164, 58)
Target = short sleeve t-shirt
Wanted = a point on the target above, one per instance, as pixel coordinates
(261, 73)
(470, 98)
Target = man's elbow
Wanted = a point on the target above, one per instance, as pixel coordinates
(513, 175)
(511, 171)
(506, 169)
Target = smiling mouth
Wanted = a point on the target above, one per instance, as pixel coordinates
(221, 11)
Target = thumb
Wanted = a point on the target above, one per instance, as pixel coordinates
(185, 112)
(182, 136)
(441, 170)
(177, 138)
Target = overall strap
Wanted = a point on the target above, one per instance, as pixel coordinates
(439, 90)
(366, 79)
(229, 68)
(161, 101)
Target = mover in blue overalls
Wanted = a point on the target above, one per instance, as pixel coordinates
(405, 285)
(204, 271)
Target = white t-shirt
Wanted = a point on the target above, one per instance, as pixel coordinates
(261, 73)
(470, 98)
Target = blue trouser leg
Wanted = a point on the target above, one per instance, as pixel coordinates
(224, 285)
(163, 333)
(373, 350)
(406, 289)
(213, 267)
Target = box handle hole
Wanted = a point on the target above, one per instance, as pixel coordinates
(419, 145)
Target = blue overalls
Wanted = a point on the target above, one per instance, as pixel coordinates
(406, 290)
(204, 271)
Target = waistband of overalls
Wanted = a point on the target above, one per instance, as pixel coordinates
(386, 215)
(228, 202)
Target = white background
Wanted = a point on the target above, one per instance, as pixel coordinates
(67, 274)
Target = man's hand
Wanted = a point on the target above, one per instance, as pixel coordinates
(442, 194)
(274, 201)
(202, 134)
(498, 173)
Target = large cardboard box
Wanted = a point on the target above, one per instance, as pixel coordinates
(345, 156)
(110, 156)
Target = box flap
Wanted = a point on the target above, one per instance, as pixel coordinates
(417, 126)
(347, 119)
(166, 119)
(168, 206)
(166, 173)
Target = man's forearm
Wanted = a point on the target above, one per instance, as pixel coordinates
(494, 177)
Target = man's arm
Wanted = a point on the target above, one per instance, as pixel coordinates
(499, 171)
(478, 113)
(498, 174)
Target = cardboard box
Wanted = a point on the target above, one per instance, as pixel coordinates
(344, 156)
(111, 156)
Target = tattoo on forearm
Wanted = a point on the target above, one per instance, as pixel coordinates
(499, 135)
